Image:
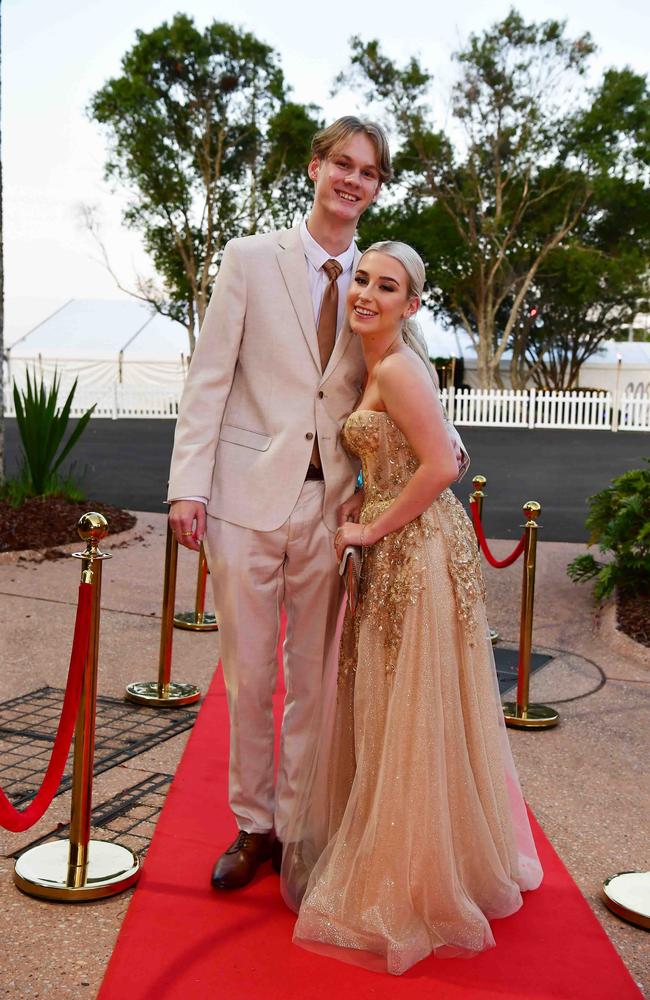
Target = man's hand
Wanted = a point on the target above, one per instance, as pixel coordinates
(351, 508)
(187, 521)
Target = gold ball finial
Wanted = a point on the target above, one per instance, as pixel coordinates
(479, 482)
(92, 527)
(532, 509)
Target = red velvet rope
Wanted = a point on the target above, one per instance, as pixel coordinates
(478, 528)
(18, 820)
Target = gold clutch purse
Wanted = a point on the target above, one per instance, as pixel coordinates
(350, 570)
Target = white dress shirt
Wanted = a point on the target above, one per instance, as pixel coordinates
(318, 280)
(315, 257)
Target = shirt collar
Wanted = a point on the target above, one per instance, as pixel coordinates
(317, 256)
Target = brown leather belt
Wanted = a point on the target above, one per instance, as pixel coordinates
(313, 472)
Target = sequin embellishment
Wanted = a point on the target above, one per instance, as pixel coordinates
(393, 569)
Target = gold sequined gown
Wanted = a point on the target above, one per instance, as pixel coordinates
(410, 832)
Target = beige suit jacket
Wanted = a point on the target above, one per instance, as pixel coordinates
(255, 394)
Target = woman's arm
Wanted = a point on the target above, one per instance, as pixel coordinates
(462, 457)
(411, 402)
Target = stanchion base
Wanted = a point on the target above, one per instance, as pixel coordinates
(196, 623)
(162, 695)
(628, 896)
(494, 635)
(535, 716)
(43, 872)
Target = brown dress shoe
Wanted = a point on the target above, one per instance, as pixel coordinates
(276, 855)
(237, 866)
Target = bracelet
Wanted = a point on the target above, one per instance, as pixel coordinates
(363, 528)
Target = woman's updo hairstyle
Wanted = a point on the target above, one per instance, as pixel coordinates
(416, 273)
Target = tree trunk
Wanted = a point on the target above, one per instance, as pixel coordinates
(519, 370)
(484, 361)
(488, 372)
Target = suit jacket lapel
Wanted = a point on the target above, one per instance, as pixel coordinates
(291, 258)
(345, 333)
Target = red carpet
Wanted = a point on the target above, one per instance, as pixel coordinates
(182, 940)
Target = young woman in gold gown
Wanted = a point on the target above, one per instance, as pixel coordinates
(410, 832)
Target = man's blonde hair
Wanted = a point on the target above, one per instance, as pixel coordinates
(329, 139)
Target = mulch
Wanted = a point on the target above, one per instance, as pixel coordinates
(44, 522)
(633, 616)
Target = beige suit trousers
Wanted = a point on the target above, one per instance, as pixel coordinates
(254, 574)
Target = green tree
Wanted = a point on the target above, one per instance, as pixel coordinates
(591, 287)
(582, 297)
(491, 199)
(203, 138)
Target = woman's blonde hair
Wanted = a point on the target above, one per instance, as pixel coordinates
(416, 273)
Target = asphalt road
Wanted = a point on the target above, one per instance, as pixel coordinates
(125, 462)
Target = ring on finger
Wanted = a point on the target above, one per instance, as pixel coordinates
(184, 534)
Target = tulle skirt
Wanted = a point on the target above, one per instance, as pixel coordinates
(409, 832)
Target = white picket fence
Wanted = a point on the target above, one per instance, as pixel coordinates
(557, 410)
(465, 407)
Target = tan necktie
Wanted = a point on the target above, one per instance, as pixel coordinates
(328, 313)
(327, 328)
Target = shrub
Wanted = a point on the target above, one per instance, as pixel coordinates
(42, 425)
(619, 523)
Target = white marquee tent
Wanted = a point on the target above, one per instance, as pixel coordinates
(602, 370)
(618, 365)
(122, 349)
(103, 343)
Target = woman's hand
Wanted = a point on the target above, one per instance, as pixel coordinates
(187, 521)
(348, 534)
(351, 508)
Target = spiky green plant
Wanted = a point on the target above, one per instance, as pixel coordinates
(619, 523)
(42, 426)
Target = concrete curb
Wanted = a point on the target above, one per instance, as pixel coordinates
(619, 641)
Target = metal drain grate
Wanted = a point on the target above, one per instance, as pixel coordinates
(127, 818)
(123, 730)
(506, 664)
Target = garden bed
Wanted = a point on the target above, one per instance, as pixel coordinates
(633, 616)
(44, 522)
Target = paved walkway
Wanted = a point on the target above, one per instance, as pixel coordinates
(127, 463)
(583, 780)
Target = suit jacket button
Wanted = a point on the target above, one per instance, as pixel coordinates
(309, 435)
(321, 394)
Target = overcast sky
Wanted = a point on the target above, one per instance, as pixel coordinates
(56, 53)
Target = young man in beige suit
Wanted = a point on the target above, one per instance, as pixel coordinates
(275, 373)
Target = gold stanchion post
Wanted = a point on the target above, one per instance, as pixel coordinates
(165, 693)
(478, 496)
(81, 869)
(198, 620)
(478, 493)
(520, 714)
(627, 894)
